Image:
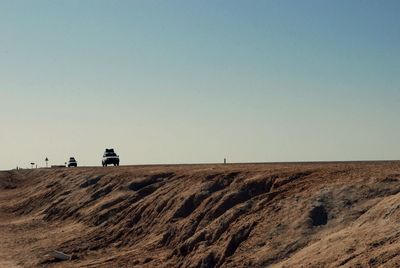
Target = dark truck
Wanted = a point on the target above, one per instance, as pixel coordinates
(110, 158)
(72, 162)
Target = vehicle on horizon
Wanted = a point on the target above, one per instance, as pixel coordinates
(72, 162)
(110, 158)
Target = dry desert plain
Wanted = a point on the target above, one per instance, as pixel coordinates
(237, 215)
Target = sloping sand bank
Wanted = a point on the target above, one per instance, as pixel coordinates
(253, 215)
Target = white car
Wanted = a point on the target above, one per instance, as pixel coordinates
(110, 158)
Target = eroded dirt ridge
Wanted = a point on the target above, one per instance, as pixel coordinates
(211, 215)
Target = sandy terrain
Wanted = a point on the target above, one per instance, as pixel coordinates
(253, 215)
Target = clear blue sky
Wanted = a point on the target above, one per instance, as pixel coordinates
(197, 81)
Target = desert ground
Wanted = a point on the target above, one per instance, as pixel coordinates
(235, 215)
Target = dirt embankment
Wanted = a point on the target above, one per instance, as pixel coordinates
(256, 215)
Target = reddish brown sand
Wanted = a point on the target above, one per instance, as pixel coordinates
(253, 215)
